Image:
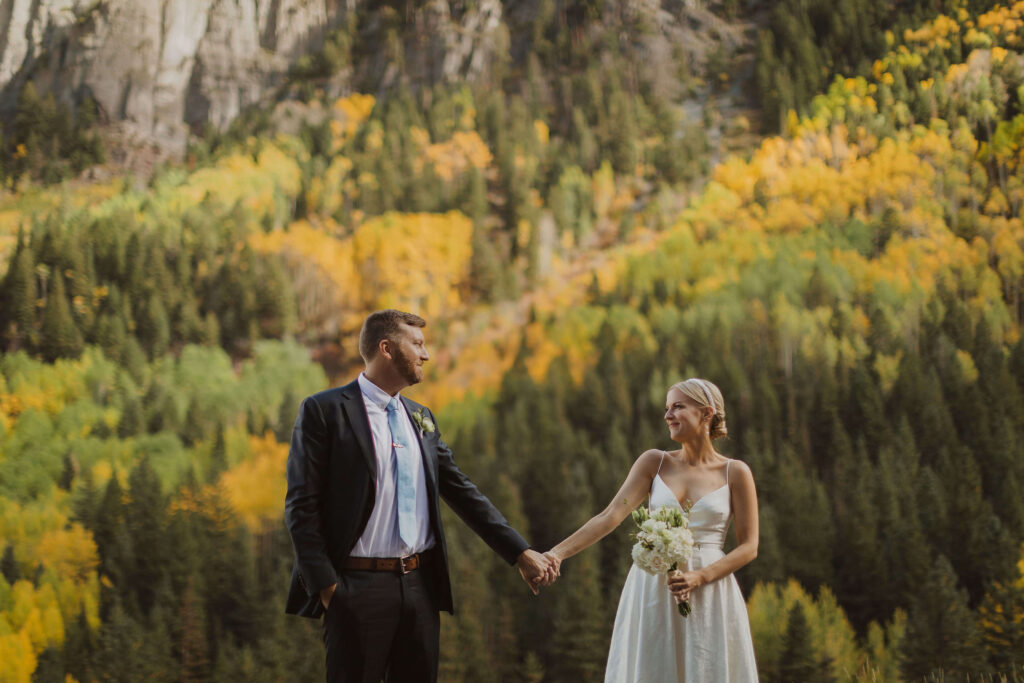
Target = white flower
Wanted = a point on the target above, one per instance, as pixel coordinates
(663, 540)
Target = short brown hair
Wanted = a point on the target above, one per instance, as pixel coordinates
(384, 325)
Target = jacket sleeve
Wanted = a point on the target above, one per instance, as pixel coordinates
(473, 508)
(307, 479)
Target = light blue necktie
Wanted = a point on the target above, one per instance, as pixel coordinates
(405, 493)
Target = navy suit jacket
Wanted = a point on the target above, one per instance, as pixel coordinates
(332, 472)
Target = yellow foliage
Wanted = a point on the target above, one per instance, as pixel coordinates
(322, 267)
(350, 112)
(832, 637)
(71, 552)
(968, 369)
(888, 370)
(454, 157)
(238, 179)
(325, 191)
(941, 27)
(256, 486)
(541, 131)
(417, 262)
(18, 657)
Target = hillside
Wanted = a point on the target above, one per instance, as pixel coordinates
(577, 242)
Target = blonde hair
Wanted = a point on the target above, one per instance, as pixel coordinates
(705, 393)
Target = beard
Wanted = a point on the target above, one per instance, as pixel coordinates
(407, 367)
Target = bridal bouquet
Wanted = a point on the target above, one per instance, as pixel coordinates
(663, 542)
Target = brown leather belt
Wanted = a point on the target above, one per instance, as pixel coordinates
(400, 565)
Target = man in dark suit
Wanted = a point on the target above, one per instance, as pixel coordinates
(366, 470)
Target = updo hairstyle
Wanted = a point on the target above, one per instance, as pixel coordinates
(705, 393)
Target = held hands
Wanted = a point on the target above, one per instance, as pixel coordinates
(683, 583)
(537, 570)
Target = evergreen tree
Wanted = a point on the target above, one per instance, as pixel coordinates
(1002, 623)
(218, 455)
(59, 335)
(197, 423)
(287, 413)
(9, 566)
(145, 515)
(79, 643)
(192, 644)
(49, 666)
(580, 641)
(860, 576)
(68, 471)
(19, 297)
(798, 663)
(131, 422)
(942, 632)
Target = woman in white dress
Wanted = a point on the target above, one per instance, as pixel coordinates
(651, 641)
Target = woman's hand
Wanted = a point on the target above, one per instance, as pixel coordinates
(554, 570)
(683, 583)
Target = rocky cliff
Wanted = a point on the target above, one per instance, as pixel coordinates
(159, 69)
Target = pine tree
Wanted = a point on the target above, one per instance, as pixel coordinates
(286, 417)
(113, 543)
(579, 645)
(19, 297)
(79, 643)
(860, 576)
(9, 566)
(154, 328)
(145, 515)
(68, 470)
(59, 335)
(218, 455)
(197, 423)
(193, 650)
(131, 422)
(798, 663)
(942, 632)
(1002, 622)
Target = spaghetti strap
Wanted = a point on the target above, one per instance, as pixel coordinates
(660, 463)
(728, 462)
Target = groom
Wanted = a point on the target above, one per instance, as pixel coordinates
(366, 470)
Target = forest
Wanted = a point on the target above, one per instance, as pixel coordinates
(843, 255)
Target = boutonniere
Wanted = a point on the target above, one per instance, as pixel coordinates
(423, 422)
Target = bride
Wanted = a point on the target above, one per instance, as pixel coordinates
(651, 642)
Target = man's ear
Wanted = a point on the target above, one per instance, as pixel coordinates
(384, 348)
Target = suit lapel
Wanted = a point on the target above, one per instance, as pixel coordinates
(429, 456)
(355, 409)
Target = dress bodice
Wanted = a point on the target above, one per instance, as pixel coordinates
(709, 516)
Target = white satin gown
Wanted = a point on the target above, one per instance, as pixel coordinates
(653, 643)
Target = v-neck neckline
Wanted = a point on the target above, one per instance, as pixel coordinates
(676, 498)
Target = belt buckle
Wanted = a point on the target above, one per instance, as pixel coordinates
(402, 564)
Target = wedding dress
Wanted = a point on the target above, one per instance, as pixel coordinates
(653, 643)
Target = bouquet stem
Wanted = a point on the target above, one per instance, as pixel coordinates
(682, 605)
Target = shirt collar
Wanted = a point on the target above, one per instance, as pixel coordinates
(377, 395)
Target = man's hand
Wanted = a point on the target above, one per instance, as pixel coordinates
(326, 594)
(537, 570)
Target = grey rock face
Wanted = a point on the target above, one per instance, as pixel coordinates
(159, 67)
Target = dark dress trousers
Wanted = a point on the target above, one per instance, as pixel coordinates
(331, 489)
